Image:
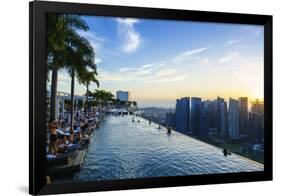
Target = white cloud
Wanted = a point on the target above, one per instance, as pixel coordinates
(125, 69)
(162, 71)
(171, 70)
(148, 65)
(131, 39)
(143, 69)
(232, 42)
(127, 21)
(188, 53)
(228, 57)
(174, 78)
(166, 72)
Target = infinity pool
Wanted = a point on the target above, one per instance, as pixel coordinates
(122, 149)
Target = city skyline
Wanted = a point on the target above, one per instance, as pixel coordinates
(206, 60)
(205, 118)
(172, 103)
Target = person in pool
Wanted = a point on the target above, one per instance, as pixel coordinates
(53, 137)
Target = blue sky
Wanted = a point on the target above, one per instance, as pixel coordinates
(161, 60)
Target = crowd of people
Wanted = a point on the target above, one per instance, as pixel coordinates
(62, 137)
(60, 140)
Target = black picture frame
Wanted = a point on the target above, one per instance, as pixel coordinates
(37, 93)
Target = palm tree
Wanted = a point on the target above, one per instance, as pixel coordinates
(80, 55)
(60, 32)
(103, 96)
(86, 80)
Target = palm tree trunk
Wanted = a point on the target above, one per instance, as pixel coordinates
(87, 94)
(72, 101)
(53, 93)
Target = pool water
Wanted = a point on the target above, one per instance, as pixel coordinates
(122, 149)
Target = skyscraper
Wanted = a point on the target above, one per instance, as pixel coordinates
(233, 119)
(210, 107)
(207, 119)
(183, 114)
(204, 124)
(196, 107)
(256, 122)
(223, 120)
(123, 95)
(243, 116)
(221, 115)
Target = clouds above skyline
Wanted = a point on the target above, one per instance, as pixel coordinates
(171, 70)
(177, 59)
(182, 56)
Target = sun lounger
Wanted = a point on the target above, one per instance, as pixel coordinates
(72, 146)
(61, 132)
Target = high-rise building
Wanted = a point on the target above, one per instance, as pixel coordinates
(196, 107)
(256, 128)
(221, 117)
(123, 95)
(243, 116)
(204, 124)
(256, 122)
(183, 115)
(171, 119)
(223, 126)
(207, 119)
(233, 119)
(210, 107)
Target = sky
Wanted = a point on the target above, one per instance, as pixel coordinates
(159, 61)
